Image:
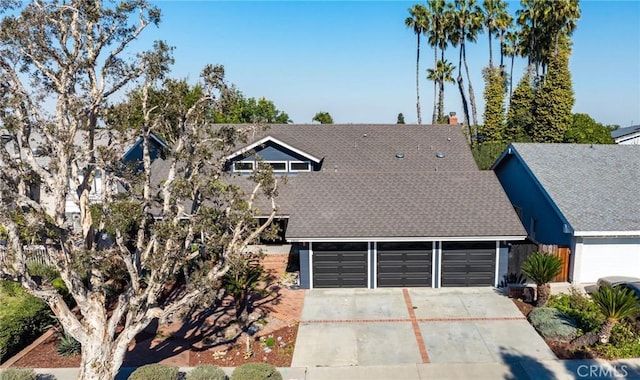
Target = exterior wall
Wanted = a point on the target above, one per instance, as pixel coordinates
(538, 215)
(503, 262)
(273, 152)
(135, 153)
(599, 257)
(633, 139)
(305, 265)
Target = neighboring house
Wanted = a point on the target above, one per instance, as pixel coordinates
(627, 136)
(586, 197)
(372, 206)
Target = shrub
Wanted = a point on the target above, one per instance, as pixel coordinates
(45, 272)
(553, 323)
(624, 343)
(24, 323)
(18, 374)
(206, 372)
(156, 372)
(68, 346)
(580, 307)
(256, 371)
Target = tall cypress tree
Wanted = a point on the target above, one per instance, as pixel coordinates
(554, 99)
(494, 94)
(520, 113)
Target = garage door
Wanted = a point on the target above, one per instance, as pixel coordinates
(340, 265)
(468, 264)
(404, 264)
(609, 257)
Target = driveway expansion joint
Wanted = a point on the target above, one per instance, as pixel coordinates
(409, 320)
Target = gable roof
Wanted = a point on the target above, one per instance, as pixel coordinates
(595, 187)
(265, 140)
(373, 147)
(622, 132)
(397, 206)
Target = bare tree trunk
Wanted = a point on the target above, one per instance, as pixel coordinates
(543, 292)
(418, 81)
(434, 118)
(472, 97)
(511, 76)
(465, 105)
(490, 49)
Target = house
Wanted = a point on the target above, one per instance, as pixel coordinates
(628, 135)
(581, 196)
(370, 206)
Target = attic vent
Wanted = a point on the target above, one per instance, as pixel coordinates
(440, 154)
(400, 155)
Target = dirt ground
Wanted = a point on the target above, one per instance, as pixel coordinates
(197, 339)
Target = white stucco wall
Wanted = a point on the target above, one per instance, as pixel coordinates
(599, 257)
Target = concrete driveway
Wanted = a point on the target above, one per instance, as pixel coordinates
(347, 327)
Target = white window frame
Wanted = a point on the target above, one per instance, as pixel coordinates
(286, 166)
(253, 165)
(292, 170)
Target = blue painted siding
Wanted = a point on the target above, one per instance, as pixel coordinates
(526, 195)
(135, 153)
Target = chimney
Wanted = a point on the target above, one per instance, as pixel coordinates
(453, 119)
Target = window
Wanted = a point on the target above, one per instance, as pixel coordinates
(300, 166)
(243, 166)
(278, 166)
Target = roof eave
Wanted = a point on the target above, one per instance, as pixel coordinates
(404, 238)
(607, 233)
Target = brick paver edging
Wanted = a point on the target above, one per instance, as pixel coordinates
(416, 328)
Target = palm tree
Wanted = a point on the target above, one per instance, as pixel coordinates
(495, 16)
(511, 49)
(542, 268)
(437, 33)
(466, 22)
(616, 304)
(418, 21)
(443, 72)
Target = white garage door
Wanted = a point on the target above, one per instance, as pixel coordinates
(607, 257)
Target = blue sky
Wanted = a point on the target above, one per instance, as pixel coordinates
(356, 59)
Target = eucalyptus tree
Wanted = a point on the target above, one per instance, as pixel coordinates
(443, 73)
(61, 63)
(418, 21)
(466, 22)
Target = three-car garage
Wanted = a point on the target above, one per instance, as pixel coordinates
(401, 264)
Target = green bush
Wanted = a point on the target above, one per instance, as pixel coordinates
(155, 372)
(624, 343)
(18, 374)
(256, 371)
(21, 325)
(206, 372)
(46, 272)
(553, 323)
(68, 346)
(11, 289)
(579, 307)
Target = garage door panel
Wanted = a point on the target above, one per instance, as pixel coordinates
(404, 264)
(336, 268)
(468, 264)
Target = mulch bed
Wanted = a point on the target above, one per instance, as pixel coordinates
(45, 355)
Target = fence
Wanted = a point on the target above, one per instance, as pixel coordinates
(519, 252)
(33, 253)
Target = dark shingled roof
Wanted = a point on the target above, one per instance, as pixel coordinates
(426, 204)
(625, 131)
(364, 190)
(596, 187)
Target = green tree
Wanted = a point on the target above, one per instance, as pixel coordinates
(441, 74)
(553, 102)
(542, 268)
(235, 108)
(77, 55)
(438, 32)
(615, 304)
(520, 113)
(585, 130)
(323, 118)
(466, 20)
(419, 23)
(496, 19)
(400, 118)
(493, 129)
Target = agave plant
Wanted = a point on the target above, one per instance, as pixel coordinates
(542, 268)
(616, 304)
